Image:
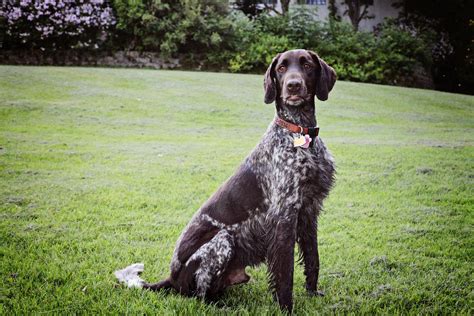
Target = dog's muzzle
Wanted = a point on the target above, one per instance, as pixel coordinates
(295, 92)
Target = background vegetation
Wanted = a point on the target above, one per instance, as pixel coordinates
(100, 168)
(211, 34)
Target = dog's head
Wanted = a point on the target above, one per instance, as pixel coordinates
(296, 76)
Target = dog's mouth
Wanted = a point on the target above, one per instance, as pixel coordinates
(295, 100)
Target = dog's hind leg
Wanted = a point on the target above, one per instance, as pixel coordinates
(201, 273)
(162, 285)
(208, 264)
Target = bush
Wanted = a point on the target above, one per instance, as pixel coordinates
(204, 34)
(348, 51)
(172, 27)
(257, 42)
(55, 24)
(382, 57)
(260, 39)
(398, 51)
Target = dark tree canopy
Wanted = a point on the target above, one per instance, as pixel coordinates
(333, 11)
(453, 22)
(250, 8)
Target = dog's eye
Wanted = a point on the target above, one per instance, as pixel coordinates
(307, 66)
(281, 69)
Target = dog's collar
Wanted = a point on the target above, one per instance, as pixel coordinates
(313, 132)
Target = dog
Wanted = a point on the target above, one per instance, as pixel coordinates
(271, 202)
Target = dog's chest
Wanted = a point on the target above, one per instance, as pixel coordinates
(296, 165)
(290, 174)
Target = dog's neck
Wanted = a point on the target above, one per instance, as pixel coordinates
(303, 114)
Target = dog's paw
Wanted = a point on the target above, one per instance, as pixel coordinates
(315, 293)
(129, 275)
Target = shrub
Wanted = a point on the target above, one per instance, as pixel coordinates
(259, 53)
(53, 24)
(304, 30)
(382, 57)
(256, 42)
(259, 40)
(386, 56)
(204, 34)
(172, 27)
(398, 51)
(348, 51)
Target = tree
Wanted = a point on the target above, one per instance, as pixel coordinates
(354, 11)
(285, 7)
(453, 53)
(333, 14)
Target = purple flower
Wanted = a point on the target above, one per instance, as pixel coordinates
(37, 21)
(15, 14)
(24, 3)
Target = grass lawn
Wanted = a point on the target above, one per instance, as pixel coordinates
(101, 168)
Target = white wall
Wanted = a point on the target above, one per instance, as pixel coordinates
(381, 9)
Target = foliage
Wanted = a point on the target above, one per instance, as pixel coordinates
(55, 24)
(387, 56)
(398, 50)
(172, 27)
(259, 41)
(259, 54)
(204, 34)
(452, 23)
(251, 8)
(333, 10)
(384, 57)
(263, 37)
(348, 51)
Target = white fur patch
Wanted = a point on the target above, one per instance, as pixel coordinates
(129, 275)
(213, 221)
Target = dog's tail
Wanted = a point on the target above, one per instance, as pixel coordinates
(130, 276)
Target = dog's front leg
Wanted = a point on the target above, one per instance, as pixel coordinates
(280, 258)
(308, 243)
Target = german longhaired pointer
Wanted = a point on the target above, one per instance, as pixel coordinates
(271, 202)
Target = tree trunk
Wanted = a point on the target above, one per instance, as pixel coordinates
(333, 10)
(285, 6)
(353, 11)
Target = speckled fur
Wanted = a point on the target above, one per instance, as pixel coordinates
(261, 212)
(213, 258)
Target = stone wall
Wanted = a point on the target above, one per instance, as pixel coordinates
(421, 78)
(75, 58)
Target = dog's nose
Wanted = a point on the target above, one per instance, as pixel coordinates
(293, 85)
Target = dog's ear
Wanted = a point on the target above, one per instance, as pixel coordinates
(269, 83)
(325, 77)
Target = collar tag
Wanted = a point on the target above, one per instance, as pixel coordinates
(302, 141)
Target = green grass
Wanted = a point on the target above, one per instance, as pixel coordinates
(100, 168)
